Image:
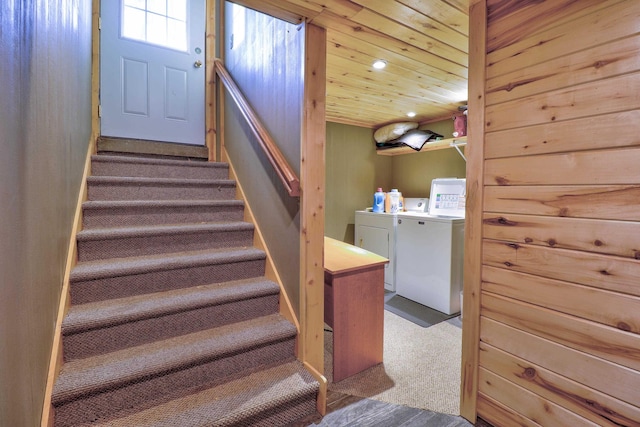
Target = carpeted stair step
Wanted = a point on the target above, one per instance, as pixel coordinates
(104, 243)
(123, 277)
(97, 328)
(105, 165)
(155, 212)
(171, 320)
(136, 188)
(278, 396)
(133, 379)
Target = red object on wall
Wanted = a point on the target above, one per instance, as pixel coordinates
(459, 125)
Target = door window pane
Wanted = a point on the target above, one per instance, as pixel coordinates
(140, 4)
(159, 22)
(156, 29)
(131, 25)
(157, 6)
(177, 9)
(176, 34)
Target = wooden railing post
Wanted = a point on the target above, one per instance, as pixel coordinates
(312, 173)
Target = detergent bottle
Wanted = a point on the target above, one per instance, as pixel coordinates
(394, 201)
(378, 201)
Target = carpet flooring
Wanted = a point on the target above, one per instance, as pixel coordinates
(421, 367)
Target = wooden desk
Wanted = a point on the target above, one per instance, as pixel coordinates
(353, 306)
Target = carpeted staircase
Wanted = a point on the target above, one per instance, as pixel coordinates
(172, 322)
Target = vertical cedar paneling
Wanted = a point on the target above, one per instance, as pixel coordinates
(559, 320)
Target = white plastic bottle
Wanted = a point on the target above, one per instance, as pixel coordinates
(394, 197)
(378, 201)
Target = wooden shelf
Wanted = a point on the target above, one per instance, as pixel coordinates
(429, 146)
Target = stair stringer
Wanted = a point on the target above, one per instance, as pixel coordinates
(271, 272)
(55, 360)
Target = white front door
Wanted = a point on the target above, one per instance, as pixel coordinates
(152, 74)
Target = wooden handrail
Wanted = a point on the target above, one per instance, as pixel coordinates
(277, 160)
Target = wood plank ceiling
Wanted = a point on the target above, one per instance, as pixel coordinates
(424, 42)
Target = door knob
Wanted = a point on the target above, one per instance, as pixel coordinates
(197, 64)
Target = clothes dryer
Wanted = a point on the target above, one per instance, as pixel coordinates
(430, 248)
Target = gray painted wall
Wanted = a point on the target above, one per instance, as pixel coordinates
(45, 119)
(353, 172)
(266, 63)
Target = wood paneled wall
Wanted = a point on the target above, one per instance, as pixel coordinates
(559, 306)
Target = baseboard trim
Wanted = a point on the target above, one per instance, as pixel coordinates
(286, 309)
(321, 401)
(55, 361)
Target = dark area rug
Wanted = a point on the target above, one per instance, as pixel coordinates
(414, 312)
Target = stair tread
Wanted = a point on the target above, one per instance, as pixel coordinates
(102, 314)
(230, 403)
(107, 233)
(91, 270)
(180, 329)
(158, 161)
(165, 181)
(107, 204)
(107, 371)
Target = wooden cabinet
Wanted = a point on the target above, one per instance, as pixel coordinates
(375, 232)
(353, 306)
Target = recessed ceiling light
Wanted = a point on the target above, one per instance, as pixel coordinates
(411, 114)
(379, 64)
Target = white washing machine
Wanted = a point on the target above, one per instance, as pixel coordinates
(430, 249)
(376, 232)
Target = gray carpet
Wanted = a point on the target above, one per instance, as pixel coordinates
(421, 367)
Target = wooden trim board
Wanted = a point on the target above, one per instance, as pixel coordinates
(474, 207)
(55, 361)
(312, 182)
